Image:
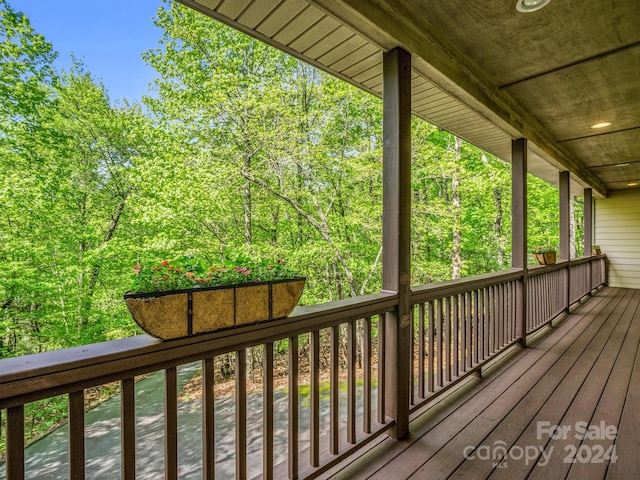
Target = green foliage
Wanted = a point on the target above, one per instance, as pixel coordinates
(192, 271)
(544, 249)
(243, 152)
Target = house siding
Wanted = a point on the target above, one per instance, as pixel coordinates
(617, 231)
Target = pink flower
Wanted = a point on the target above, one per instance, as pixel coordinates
(164, 263)
(137, 268)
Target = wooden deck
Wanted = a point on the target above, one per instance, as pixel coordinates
(583, 376)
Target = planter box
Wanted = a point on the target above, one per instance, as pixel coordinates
(184, 313)
(545, 258)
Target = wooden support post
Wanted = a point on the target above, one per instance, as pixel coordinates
(15, 444)
(588, 221)
(519, 229)
(128, 428)
(396, 233)
(565, 238)
(171, 423)
(588, 231)
(241, 414)
(208, 419)
(76, 436)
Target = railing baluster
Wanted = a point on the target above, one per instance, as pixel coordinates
(208, 420)
(76, 436)
(535, 300)
(480, 326)
(492, 321)
(539, 301)
(241, 414)
(506, 309)
(334, 392)
(382, 417)
(529, 296)
(455, 316)
(128, 434)
(15, 443)
(293, 407)
(495, 316)
(366, 360)
(512, 311)
(529, 300)
(421, 351)
(440, 335)
(548, 297)
(488, 317)
(468, 328)
(466, 332)
(351, 382)
(314, 450)
(412, 359)
(477, 336)
(501, 317)
(485, 322)
(267, 411)
(508, 292)
(432, 356)
(447, 338)
(540, 304)
(171, 423)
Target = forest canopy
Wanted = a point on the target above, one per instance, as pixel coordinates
(239, 151)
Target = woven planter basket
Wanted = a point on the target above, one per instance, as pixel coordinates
(545, 258)
(184, 313)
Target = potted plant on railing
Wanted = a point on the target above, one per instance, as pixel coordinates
(544, 255)
(188, 296)
(595, 250)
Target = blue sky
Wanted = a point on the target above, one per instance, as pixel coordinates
(109, 37)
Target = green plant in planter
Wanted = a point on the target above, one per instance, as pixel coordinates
(544, 255)
(188, 296)
(595, 250)
(192, 272)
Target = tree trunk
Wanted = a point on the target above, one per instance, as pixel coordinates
(572, 229)
(246, 197)
(95, 270)
(456, 210)
(497, 226)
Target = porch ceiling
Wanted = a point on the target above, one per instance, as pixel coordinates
(484, 71)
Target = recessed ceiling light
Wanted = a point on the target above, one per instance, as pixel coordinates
(526, 6)
(601, 125)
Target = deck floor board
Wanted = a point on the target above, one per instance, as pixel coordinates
(587, 369)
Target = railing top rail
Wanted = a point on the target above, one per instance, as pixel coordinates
(534, 270)
(581, 260)
(83, 366)
(434, 291)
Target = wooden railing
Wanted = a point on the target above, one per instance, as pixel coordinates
(458, 326)
(34, 377)
(546, 295)
(336, 348)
